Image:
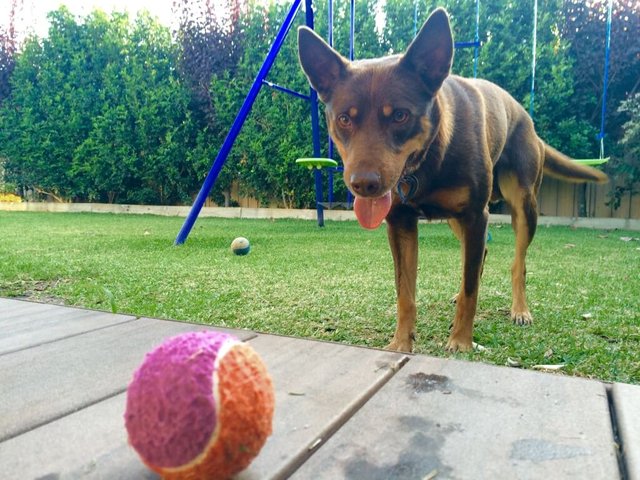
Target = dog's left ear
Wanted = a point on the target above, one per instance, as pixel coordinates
(431, 52)
(323, 66)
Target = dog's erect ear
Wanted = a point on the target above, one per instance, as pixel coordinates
(431, 52)
(321, 63)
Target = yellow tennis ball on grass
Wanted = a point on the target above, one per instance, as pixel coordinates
(200, 407)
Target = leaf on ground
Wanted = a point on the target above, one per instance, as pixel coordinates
(431, 475)
(548, 353)
(549, 368)
(512, 362)
(111, 299)
(479, 348)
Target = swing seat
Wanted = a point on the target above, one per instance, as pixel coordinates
(311, 163)
(591, 161)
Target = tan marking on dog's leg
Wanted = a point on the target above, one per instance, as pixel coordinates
(456, 228)
(461, 337)
(519, 310)
(523, 221)
(473, 248)
(404, 249)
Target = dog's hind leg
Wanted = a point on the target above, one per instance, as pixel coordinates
(403, 240)
(524, 220)
(473, 235)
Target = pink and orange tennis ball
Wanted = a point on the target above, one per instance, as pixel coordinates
(200, 406)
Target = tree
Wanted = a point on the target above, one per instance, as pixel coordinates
(41, 127)
(8, 46)
(210, 46)
(111, 109)
(584, 27)
(135, 151)
(97, 113)
(627, 164)
(278, 129)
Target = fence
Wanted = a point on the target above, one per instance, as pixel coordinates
(556, 199)
(562, 199)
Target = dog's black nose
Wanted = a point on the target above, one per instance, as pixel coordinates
(366, 184)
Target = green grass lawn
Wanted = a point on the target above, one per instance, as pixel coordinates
(336, 283)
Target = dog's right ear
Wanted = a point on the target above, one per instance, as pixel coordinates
(321, 63)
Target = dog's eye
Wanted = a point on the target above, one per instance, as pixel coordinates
(400, 116)
(344, 120)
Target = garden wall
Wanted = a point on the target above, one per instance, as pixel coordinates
(275, 213)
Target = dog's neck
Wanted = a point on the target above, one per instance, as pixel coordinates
(425, 163)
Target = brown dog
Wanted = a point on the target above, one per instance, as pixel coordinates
(418, 142)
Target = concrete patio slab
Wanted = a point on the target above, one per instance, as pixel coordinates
(27, 324)
(449, 419)
(88, 444)
(341, 411)
(319, 386)
(61, 377)
(626, 400)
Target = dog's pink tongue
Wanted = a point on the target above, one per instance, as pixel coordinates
(370, 212)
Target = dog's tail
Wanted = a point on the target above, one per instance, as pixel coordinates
(558, 165)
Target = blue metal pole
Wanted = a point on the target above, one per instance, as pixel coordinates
(466, 44)
(330, 179)
(476, 48)
(330, 23)
(315, 128)
(237, 125)
(288, 91)
(533, 61)
(605, 77)
(330, 40)
(352, 55)
(352, 30)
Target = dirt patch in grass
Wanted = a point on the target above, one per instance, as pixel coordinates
(38, 291)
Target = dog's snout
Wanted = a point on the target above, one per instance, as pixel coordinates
(366, 184)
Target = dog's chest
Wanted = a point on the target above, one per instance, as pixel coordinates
(445, 202)
(449, 188)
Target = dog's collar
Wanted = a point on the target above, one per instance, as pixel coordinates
(412, 182)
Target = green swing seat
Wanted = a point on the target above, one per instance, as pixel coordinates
(317, 162)
(592, 161)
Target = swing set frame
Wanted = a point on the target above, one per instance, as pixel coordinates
(316, 162)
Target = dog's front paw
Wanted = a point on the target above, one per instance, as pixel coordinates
(459, 345)
(521, 317)
(400, 346)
